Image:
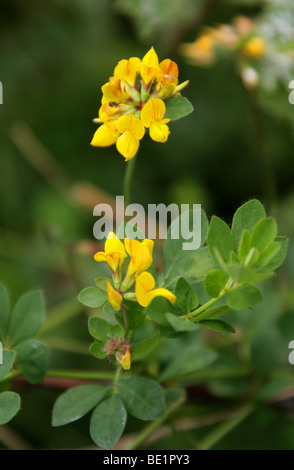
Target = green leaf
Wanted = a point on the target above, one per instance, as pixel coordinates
(246, 217)
(177, 107)
(264, 233)
(108, 422)
(280, 256)
(5, 310)
(219, 240)
(27, 317)
(96, 349)
(157, 309)
(213, 312)
(244, 297)
(246, 275)
(173, 247)
(245, 244)
(32, 359)
(187, 299)
(195, 264)
(217, 325)
(143, 348)
(188, 360)
(99, 328)
(135, 313)
(180, 324)
(268, 253)
(92, 297)
(76, 402)
(142, 397)
(215, 282)
(101, 283)
(6, 364)
(9, 406)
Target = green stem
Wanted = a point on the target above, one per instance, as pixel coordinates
(224, 428)
(128, 180)
(80, 375)
(150, 428)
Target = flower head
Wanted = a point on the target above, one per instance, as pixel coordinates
(114, 253)
(123, 114)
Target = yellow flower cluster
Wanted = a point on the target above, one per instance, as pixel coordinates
(240, 38)
(140, 253)
(133, 101)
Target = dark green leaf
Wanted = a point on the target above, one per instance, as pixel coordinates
(187, 299)
(217, 325)
(143, 398)
(9, 406)
(108, 422)
(26, 318)
(5, 310)
(157, 309)
(32, 359)
(180, 324)
(92, 297)
(6, 363)
(76, 402)
(143, 348)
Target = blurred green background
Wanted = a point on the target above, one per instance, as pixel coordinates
(55, 56)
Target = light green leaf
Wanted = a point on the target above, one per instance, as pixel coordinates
(108, 422)
(76, 402)
(5, 310)
(217, 325)
(215, 282)
(245, 244)
(32, 359)
(180, 324)
(99, 328)
(246, 217)
(92, 297)
(246, 275)
(143, 398)
(177, 107)
(187, 299)
(8, 357)
(244, 297)
(264, 233)
(280, 256)
(26, 318)
(96, 349)
(219, 239)
(101, 283)
(9, 406)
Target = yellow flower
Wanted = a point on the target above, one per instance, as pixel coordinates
(124, 359)
(255, 47)
(145, 291)
(132, 131)
(105, 135)
(127, 70)
(114, 253)
(152, 116)
(141, 255)
(114, 296)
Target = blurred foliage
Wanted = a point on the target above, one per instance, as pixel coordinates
(55, 56)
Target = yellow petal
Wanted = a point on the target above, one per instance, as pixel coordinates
(114, 297)
(151, 58)
(103, 137)
(153, 110)
(130, 123)
(150, 73)
(127, 69)
(161, 292)
(125, 360)
(169, 69)
(255, 47)
(127, 145)
(112, 91)
(144, 284)
(141, 255)
(159, 131)
(113, 243)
